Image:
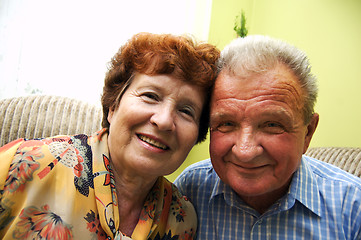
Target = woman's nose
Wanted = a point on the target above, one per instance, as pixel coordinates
(246, 147)
(163, 119)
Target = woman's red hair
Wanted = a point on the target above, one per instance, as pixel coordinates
(154, 54)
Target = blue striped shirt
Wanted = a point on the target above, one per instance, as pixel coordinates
(323, 202)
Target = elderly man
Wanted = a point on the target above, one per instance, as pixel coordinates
(258, 184)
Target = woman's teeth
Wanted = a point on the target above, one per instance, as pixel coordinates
(153, 142)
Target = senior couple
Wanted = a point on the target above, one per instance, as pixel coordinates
(161, 93)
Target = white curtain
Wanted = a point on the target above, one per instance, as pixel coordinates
(63, 47)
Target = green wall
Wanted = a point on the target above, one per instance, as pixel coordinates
(329, 31)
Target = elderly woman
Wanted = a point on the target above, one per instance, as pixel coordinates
(110, 185)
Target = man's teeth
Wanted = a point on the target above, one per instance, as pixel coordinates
(153, 142)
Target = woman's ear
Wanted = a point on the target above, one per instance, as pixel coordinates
(311, 128)
(110, 115)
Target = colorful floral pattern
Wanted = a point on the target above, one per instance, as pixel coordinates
(83, 171)
(64, 188)
(22, 169)
(109, 179)
(41, 224)
(93, 224)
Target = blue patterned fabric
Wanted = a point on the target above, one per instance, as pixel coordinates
(323, 202)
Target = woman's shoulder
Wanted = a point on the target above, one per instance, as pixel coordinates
(43, 156)
(178, 202)
(26, 144)
(177, 196)
(182, 214)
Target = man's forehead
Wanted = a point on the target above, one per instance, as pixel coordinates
(279, 83)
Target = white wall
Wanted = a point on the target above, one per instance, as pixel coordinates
(62, 47)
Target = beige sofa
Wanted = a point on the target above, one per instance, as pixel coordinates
(44, 116)
(346, 158)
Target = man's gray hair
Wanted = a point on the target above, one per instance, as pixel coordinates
(258, 54)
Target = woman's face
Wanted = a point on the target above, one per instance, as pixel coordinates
(155, 125)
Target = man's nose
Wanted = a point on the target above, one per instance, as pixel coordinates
(246, 146)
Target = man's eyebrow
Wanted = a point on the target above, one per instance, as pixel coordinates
(219, 116)
(276, 111)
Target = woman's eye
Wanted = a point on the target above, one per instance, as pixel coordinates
(188, 111)
(150, 96)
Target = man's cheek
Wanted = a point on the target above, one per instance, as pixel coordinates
(219, 146)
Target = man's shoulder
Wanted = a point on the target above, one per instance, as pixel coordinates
(197, 174)
(201, 165)
(332, 174)
(197, 182)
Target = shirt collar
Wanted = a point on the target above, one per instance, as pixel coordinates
(303, 188)
(218, 188)
(229, 196)
(222, 189)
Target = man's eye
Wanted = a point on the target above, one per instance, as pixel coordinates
(272, 124)
(273, 127)
(223, 127)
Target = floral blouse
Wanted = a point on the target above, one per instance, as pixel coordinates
(63, 188)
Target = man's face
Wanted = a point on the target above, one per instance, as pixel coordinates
(258, 133)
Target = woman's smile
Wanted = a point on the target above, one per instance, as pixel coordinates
(153, 142)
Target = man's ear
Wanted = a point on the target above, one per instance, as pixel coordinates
(311, 128)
